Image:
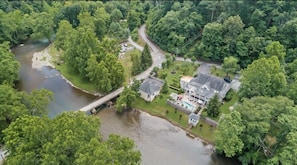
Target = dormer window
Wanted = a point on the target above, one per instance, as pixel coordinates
(205, 87)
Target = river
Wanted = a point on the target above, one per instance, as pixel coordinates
(159, 141)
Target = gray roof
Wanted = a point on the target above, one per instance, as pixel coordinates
(208, 85)
(151, 85)
(211, 82)
(194, 116)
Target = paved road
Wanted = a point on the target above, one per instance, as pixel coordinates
(157, 56)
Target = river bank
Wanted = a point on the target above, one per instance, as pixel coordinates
(156, 138)
(45, 58)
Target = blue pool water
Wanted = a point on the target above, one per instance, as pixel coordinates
(188, 105)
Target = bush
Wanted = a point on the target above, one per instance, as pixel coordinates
(229, 95)
(134, 34)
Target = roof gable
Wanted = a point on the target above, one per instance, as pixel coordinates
(151, 85)
(211, 82)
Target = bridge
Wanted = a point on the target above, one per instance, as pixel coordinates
(102, 100)
(157, 57)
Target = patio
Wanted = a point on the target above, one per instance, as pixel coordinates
(183, 102)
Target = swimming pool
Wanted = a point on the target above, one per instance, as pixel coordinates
(188, 105)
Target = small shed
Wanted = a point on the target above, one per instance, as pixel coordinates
(193, 119)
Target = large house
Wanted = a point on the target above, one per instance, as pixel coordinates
(150, 88)
(203, 87)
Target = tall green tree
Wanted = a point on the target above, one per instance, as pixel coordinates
(64, 33)
(133, 20)
(37, 101)
(9, 67)
(262, 131)
(145, 58)
(211, 41)
(136, 64)
(276, 49)
(125, 100)
(213, 106)
(228, 135)
(15, 104)
(102, 20)
(230, 65)
(165, 88)
(70, 138)
(264, 77)
(82, 44)
(43, 25)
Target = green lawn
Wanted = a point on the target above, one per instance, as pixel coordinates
(224, 109)
(181, 68)
(158, 107)
(127, 63)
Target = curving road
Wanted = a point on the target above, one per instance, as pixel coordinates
(157, 56)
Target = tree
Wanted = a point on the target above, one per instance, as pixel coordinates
(116, 15)
(15, 104)
(212, 40)
(9, 67)
(286, 32)
(248, 131)
(85, 19)
(264, 77)
(145, 58)
(135, 86)
(37, 101)
(232, 27)
(63, 34)
(81, 45)
(230, 65)
(70, 138)
(165, 88)
(43, 25)
(11, 107)
(276, 49)
(136, 64)
(125, 100)
(213, 106)
(101, 20)
(228, 135)
(133, 20)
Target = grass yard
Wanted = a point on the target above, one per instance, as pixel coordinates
(127, 63)
(158, 107)
(224, 109)
(181, 68)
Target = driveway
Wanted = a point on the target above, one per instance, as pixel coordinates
(204, 68)
(157, 54)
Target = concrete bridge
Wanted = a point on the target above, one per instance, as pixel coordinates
(157, 57)
(102, 100)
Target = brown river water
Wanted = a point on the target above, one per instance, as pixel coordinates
(159, 142)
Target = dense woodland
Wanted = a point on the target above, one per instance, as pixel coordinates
(257, 36)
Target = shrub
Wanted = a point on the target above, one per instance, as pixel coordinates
(229, 95)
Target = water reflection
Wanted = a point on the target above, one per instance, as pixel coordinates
(66, 98)
(158, 140)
